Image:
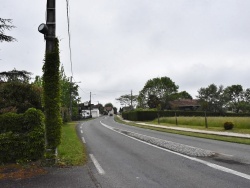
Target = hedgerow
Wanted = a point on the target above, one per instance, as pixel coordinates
(22, 136)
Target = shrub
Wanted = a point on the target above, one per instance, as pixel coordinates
(22, 136)
(19, 97)
(228, 125)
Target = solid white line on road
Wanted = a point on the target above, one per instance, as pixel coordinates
(212, 165)
(97, 165)
(83, 140)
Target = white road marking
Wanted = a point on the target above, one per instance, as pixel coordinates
(83, 140)
(212, 165)
(81, 131)
(97, 165)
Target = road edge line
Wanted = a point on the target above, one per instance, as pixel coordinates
(97, 165)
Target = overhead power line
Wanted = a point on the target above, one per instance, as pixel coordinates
(68, 21)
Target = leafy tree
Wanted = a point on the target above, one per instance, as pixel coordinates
(18, 97)
(108, 105)
(101, 108)
(38, 81)
(5, 25)
(16, 94)
(246, 103)
(120, 110)
(184, 95)
(127, 99)
(163, 88)
(15, 76)
(153, 101)
(212, 98)
(69, 91)
(115, 110)
(235, 97)
(65, 88)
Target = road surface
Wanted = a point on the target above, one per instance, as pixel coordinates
(126, 156)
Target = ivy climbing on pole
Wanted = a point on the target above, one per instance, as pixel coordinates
(51, 86)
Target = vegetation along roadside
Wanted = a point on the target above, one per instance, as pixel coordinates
(199, 135)
(71, 151)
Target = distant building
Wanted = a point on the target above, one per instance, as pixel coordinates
(184, 104)
(85, 113)
(94, 112)
(86, 107)
(126, 108)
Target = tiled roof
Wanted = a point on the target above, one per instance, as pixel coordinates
(184, 102)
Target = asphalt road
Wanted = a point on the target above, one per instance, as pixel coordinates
(119, 160)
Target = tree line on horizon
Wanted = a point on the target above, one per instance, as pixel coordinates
(158, 92)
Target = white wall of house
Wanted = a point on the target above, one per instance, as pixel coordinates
(85, 113)
(95, 112)
(111, 112)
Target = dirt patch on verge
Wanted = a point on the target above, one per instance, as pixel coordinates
(18, 172)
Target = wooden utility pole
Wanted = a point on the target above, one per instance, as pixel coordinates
(131, 96)
(49, 31)
(51, 24)
(90, 106)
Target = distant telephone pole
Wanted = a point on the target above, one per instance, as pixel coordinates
(131, 100)
(90, 106)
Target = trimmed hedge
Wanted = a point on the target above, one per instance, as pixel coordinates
(149, 115)
(22, 136)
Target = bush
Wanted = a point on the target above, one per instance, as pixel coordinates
(228, 125)
(22, 136)
(19, 97)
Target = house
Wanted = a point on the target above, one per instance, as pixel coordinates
(126, 108)
(184, 104)
(109, 110)
(94, 112)
(88, 110)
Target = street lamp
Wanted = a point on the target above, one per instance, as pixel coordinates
(43, 28)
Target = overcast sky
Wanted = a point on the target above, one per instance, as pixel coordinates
(117, 45)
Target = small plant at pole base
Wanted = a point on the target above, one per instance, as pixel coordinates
(51, 100)
(228, 125)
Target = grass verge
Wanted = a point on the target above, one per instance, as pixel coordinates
(240, 123)
(199, 135)
(71, 151)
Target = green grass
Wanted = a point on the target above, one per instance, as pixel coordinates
(71, 151)
(241, 124)
(199, 135)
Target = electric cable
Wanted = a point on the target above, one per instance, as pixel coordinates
(70, 51)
